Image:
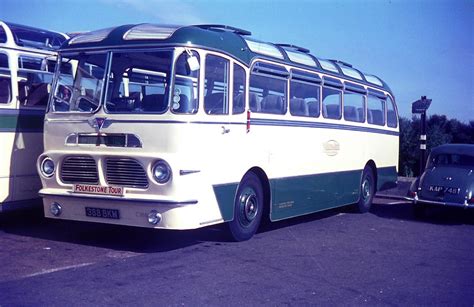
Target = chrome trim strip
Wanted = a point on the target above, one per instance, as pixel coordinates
(115, 198)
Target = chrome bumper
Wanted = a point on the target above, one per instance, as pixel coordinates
(464, 205)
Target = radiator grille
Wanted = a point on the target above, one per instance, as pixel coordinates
(125, 172)
(79, 169)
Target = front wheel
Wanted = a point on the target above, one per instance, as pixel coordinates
(367, 190)
(248, 208)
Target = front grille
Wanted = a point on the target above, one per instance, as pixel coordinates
(79, 169)
(125, 172)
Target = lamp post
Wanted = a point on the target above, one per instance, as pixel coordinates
(419, 107)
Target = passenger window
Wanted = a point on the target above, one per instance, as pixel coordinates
(331, 103)
(392, 118)
(3, 35)
(375, 111)
(185, 92)
(216, 85)
(267, 94)
(354, 107)
(34, 77)
(5, 80)
(304, 99)
(239, 90)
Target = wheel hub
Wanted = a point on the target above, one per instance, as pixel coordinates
(248, 206)
(366, 189)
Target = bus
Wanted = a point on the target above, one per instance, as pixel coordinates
(182, 127)
(27, 61)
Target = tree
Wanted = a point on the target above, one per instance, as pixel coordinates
(440, 131)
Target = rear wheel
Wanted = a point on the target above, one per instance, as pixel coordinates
(367, 190)
(248, 208)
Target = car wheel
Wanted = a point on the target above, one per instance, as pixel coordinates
(248, 208)
(367, 190)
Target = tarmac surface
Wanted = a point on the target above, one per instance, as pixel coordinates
(336, 257)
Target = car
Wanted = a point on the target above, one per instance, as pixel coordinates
(448, 179)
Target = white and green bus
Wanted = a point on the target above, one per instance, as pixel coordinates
(184, 127)
(27, 61)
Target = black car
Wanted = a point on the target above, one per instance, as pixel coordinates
(448, 179)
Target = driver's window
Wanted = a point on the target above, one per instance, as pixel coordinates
(80, 84)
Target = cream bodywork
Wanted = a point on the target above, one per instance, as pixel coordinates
(218, 147)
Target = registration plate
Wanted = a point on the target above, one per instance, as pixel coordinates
(446, 190)
(98, 189)
(103, 213)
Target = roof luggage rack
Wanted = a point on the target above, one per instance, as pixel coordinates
(297, 48)
(226, 28)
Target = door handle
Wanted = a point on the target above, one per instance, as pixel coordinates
(224, 130)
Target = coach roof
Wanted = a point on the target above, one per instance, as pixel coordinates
(233, 41)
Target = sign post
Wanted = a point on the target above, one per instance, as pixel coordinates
(419, 107)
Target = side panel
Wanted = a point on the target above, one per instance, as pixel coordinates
(294, 196)
(21, 142)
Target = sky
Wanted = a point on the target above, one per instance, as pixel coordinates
(419, 47)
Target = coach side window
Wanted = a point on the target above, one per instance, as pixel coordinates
(392, 118)
(185, 92)
(5, 80)
(3, 35)
(216, 85)
(354, 107)
(375, 111)
(239, 90)
(304, 99)
(331, 103)
(268, 90)
(34, 77)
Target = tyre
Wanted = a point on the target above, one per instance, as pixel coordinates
(367, 190)
(248, 208)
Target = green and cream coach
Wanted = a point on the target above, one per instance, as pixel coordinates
(27, 62)
(184, 127)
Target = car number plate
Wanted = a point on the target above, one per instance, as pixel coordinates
(98, 189)
(446, 190)
(103, 213)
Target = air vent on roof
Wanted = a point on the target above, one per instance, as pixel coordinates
(294, 47)
(225, 28)
(91, 37)
(264, 48)
(150, 31)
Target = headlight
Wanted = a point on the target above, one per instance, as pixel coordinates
(47, 167)
(161, 171)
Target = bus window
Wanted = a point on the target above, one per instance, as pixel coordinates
(34, 77)
(80, 91)
(239, 90)
(331, 103)
(354, 107)
(267, 94)
(3, 35)
(375, 111)
(216, 85)
(139, 82)
(392, 119)
(185, 91)
(304, 99)
(5, 80)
